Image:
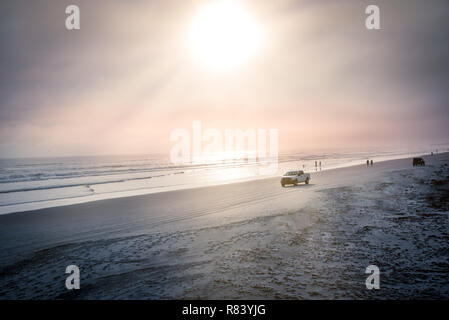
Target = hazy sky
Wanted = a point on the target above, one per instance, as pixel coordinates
(127, 78)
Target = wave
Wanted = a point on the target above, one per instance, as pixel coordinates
(47, 187)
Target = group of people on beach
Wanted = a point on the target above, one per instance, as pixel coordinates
(368, 163)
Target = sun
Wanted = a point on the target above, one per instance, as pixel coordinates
(224, 36)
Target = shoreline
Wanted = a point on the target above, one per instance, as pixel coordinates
(69, 201)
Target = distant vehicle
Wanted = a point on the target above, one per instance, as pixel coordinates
(295, 177)
(418, 162)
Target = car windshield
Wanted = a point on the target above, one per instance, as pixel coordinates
(291, 173)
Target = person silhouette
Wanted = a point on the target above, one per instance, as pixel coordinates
(367, 163)
(371, 163)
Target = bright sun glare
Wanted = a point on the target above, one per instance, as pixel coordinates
(224, 36)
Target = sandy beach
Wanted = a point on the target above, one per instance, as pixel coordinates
(251, 240)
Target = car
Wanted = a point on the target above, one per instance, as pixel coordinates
(295, 177)
(418, 162)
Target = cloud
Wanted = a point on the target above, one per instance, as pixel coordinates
(123, 81)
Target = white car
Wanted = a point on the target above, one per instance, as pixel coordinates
(295, 177)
